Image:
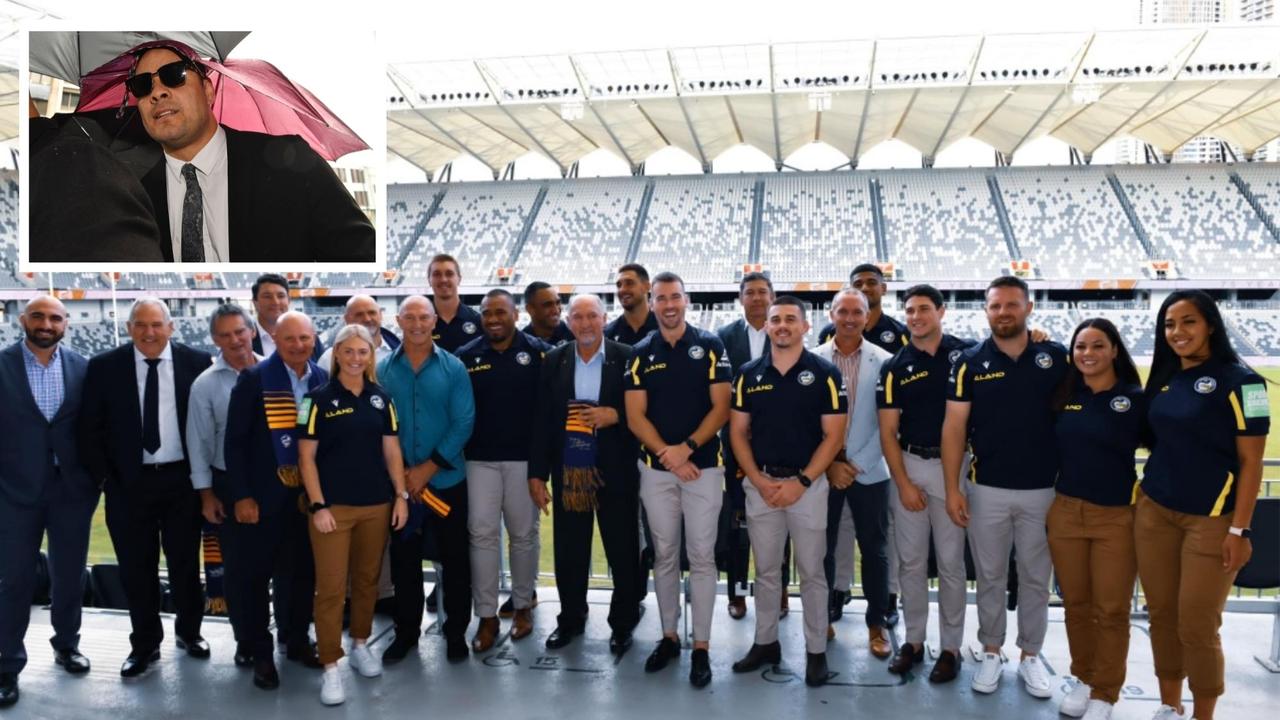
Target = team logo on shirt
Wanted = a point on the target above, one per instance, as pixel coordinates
(377, 402)
(469, 328)
(334, 402)
(909, 368)
(697, 352)
(886, 336)
(1044, 360)
(1206, 385)
(955, 355)
(1120, 404)
(286, 441)
(522, 358)
(806, 378)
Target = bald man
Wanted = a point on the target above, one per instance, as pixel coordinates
(43, 488)
(364, 310)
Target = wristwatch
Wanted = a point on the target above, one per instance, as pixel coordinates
(804, 479)
(1240, 532)
(693, 445)
(404, 495)
(314, 508)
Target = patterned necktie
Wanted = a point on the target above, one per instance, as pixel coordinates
(151, 407)
(192, 217)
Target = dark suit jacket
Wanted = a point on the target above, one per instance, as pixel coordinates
(616, 447)
(110, 427)
(29, 442)
(285, 204)
(738, 347)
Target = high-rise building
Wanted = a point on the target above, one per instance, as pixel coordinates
(1261, 11)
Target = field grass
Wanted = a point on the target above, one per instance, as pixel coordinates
(100, 549)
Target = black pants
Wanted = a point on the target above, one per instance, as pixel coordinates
(617, 512)
(22, 527)
(159, 511)
(274, 551)
(451, 543)
(869, 505)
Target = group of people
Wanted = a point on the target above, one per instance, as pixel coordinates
(319, 467)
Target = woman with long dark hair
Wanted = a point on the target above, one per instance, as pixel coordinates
(1208, 418)
(1100, 415)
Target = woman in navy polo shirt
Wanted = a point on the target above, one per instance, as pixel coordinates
(1100, 418)
(1209, 419)
(349, 455)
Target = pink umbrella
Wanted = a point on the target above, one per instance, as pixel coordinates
(251, 95)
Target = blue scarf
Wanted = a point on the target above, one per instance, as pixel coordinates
(282, 414)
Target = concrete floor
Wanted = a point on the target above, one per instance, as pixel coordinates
(524, 681)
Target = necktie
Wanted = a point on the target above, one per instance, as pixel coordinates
(192, 217)
(151, 408)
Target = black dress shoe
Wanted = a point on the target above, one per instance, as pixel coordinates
(72, 661)
(759, 656)
(138, 662)
(8, 689)
(432, 601)
(244, 656)
(560, 637)
(891, 613)
(815, 669)
(398, 649)
(699, 668)
(835, 608)
(908, 657)
(666, 651)
(304, 655)
(196, 647)
(946, 668)
(456, 649)
(620, 641)
(264, 673)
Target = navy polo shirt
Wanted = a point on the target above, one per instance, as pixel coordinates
(915, 382)
(505, 387)
(465, 327)
(348, 430)
(561, 336)
(678, 380)
(1097, 436)
(1010, 419)
(786, 410)
(887, 334)
(620, 330)
(1195, 421)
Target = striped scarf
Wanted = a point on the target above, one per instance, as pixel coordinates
(282, 415)
(580, 476)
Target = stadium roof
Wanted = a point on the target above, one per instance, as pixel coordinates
(1162, 85)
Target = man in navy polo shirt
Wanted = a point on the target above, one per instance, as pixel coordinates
(456, 323)
(542, 302)
(677, 401)
(999, 398)
(787, 424)
(637, 319)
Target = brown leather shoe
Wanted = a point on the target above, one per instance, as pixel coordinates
(785, 607)
(908, 657)
(737, 608)
(486, 633)
(522, 624)
(946, 668)
(878, 643)
(831, 632)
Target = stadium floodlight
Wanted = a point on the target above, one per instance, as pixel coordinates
(819, 101)
(570, 111)
(1085, 93)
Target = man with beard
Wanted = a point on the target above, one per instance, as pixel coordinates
(503, 366)
(264, 534)
(231, 330)
(999, 400)
(364, 310)
(637, 320)
(542, 302)
(43, 488)
(677, 401)
(271, 300)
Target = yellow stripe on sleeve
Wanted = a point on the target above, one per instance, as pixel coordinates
(738, 398)
(835, 393)
(888, 389)
(395, 421)
(1222, 497)
(711, 368)
(311, 421)
(960, 380)
(1235, 408)
(635, 372)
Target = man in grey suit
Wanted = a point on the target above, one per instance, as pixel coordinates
(42, 488)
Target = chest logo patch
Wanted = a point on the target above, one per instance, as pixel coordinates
(377, 402)
(909, 369)
(1044, 361)
(955, 355)
(697, 352)
(806, 377)
(886, 336)
(469, 328)
(1121, 404)
(286, 441)
(1255, 401)
(1206, 385)
(334, 402)
(986, 364)
(522, 358)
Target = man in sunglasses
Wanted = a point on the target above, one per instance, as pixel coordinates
(223, 195)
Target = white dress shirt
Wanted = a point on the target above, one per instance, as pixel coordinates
(756, 338)
(170, 449)
(211, 173)
(268, 343)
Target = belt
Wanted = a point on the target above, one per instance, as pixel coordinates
(780, 471)
(161, 467)
(928, 453)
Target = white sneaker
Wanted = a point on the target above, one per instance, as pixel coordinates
(1098, 710)
(1076, 702)
(987, 678)
(365, 662)
(1168, 713)
(1034, 678)
(331, 692)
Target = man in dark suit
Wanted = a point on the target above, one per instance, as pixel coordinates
(42, 488)
(223, 195)
(589, 369)
(265, 532)
(132, 433)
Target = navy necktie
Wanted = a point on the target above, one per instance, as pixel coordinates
(192, 217)
(151, 408)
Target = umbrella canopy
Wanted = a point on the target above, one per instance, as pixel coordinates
(70, 56)
(251, 95)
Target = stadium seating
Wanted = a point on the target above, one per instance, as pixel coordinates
(1260, 329)
(815, 226)
(942, 224)
(1264, 182)
(582, 231)
(478, 223)
(699, 226)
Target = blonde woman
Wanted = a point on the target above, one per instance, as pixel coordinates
(349, 455)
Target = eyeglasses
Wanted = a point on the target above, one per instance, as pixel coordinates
(171, 76)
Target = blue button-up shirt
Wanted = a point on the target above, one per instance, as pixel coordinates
(437, 411)
(207, 420)
(586, 375)
(46, 381)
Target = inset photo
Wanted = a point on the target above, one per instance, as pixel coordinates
(201, 149)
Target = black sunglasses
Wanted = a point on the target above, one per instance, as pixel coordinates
(172, 75)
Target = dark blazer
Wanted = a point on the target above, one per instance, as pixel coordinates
(30, 442)
(285, 204)
(616, 446)
(110, 427)
(738, 347)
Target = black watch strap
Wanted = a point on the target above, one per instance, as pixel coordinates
(804, 479)
(693, 444)
(314, 508)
